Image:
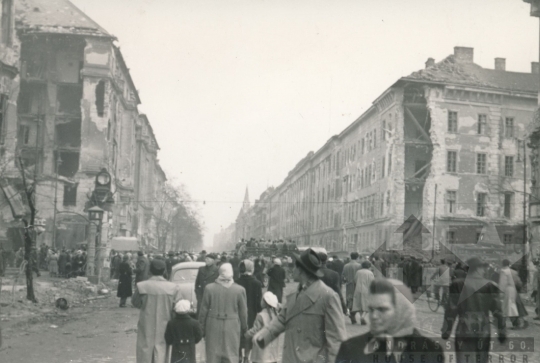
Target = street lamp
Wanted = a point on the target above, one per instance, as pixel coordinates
(95, 215)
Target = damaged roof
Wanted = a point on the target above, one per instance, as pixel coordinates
(55, 16)
(452, 71)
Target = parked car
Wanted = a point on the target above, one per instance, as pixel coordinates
(184, 275)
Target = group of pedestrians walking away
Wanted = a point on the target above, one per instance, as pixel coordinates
(241, 323)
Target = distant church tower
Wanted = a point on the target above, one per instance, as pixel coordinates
(241, 220)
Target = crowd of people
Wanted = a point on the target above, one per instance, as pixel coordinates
(240, 322)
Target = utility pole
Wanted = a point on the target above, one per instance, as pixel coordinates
(58, 162)
(434, 221)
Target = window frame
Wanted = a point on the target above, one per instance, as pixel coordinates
(509, 167)
(451, 203)
(481, 204)
(454, 164)
(452, 122)
(481, 127)
(481, 165)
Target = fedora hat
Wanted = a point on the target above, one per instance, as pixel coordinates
(310, 261)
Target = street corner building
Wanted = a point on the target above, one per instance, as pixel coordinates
(449, 144)
(69, 111)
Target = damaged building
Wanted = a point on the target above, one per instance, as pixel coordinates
(445, 144)
(70, 112)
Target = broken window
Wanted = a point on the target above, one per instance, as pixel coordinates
(509, 166)
(450, 237)
(100, 98)
(27, 134)
(68, 133)
(32, 99)
(509, 127)
(69, 99)
(508, 202)
(451, 198)
(66, 163)
(451, 161)
(481, 163)
(481, 204)
(7, 22)
(70, 194)
(452, 121)
(482, 124)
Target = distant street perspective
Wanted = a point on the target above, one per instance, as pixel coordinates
(264, 182)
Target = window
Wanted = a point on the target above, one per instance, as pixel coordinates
(482, 124)
(383, 130)
(481, 204)
(450, 237)
(389, 162)
(6, 21)
(383, 166)
(452, 121)
(363, 146)
(24, 134)
(508, 201)
(451, 196)
(509, 127)
(375, 138)
(480, 163)
(508, 238)
(70, 194)
(509, 166)
(451, 162)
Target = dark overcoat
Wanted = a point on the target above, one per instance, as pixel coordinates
(124, 280)
(183, 333)
(142, 268)
(253, 289)
(276, 281)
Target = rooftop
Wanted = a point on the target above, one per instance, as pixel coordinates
(452, 70)
(55, 16)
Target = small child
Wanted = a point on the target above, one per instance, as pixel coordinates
(270, 353)
(182, 333)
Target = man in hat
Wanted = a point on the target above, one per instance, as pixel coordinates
(170, 261)
(206, 275)
(470, 301)
(311, 317)
(156, 298)
(349, 279)
(276, 278)
(202, 256)
(141, 267)
(331, 279)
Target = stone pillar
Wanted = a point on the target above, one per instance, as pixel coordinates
(91, 256)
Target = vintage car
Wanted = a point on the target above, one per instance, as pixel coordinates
(184, 274)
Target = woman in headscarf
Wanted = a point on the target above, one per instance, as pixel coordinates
(363, 277)
(223, 317)
(393, 336)
(124, 281)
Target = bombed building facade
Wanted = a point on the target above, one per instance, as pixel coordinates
(446, 144)
(69, 110)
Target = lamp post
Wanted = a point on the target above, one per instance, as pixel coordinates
(524, 266)
(95, 215)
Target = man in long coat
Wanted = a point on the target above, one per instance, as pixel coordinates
(470, 301)
(349, 279)
(206, 275)
(337, 265)
(311, 317)
(223, 317)
(276, 279)
(62, 259)
(156, 298)
(364, 277)
(254, 294)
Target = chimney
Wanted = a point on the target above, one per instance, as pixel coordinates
(430, 62)
(535, 68)
(464, 54)
(500, 64)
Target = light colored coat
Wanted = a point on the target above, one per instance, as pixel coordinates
(156, 298)
(313, 323)
(223, 318)
(270, 353)
(361, 291)
(508, 287)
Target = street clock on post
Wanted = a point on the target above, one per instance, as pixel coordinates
(102, 195)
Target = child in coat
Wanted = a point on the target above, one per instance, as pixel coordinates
(270, 353)
(182, 333)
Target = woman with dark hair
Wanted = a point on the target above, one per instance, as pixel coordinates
(124, 282)
(364, 276)
(393, 336)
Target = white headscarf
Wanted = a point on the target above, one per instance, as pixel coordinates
(226, 274)
(182, 307)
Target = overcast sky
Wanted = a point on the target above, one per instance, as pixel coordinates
(239, 91)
